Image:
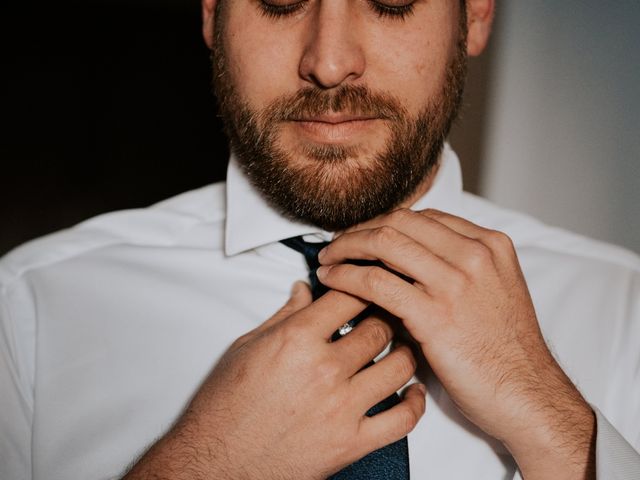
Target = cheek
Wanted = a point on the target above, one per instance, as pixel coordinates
(413, 57)
(262, 67)
(413, 65)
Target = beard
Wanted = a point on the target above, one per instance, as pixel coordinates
(327, 185)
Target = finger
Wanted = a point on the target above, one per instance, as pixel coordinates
(433, 235)
(300, 298)
(412, 305)
(331, 311)
(458, 224)
(499, 243)
(396, 250)
(396, 423)
(383, 378)
(355, 350)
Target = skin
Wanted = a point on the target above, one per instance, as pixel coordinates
(332, 43)
(469, 309)
(284, 402)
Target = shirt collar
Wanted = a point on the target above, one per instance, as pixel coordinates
(251, 222)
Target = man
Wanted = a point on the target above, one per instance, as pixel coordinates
(116, 334)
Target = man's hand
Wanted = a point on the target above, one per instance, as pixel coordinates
(284, 402)
(469, 308)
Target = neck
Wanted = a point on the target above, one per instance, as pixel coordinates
(423, 187)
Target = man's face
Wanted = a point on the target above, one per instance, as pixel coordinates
(338, 109)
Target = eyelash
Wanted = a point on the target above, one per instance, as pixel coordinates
(400, 12)
(277, 11)
(384, 11)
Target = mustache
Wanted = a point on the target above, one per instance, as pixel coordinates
(349, 99)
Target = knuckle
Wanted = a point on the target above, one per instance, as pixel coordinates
(412, 251)
(432, 213)
(406, 363)
(374, 279)
(478, 257)
(328, 371)
(378, 332)
(240, 341)
(502, 244)
(385, 235)
(401, 215)
(285, 311)
(396, 294)
(501, 240)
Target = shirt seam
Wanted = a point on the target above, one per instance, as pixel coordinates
(13, 276)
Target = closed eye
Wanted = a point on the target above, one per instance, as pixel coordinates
(385, 9)
(389, 9)
(273, 9)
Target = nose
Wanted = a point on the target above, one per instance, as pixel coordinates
(332, 54)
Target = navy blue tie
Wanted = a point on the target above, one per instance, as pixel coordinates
(390, 462)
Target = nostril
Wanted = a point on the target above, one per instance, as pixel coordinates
(318, 83)
(331, 69)
(333, 54)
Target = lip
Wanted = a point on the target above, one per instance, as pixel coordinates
(335, 118)
(335, 128)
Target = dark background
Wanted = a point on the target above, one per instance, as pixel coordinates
(107, 105)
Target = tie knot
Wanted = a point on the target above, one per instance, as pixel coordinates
(390, 462)
(310, 251)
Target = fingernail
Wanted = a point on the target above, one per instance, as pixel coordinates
(322, 271)
(423, 388)
(322, 253)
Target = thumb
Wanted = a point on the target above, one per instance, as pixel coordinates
(300, 298)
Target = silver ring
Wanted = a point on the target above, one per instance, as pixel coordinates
(344, 329)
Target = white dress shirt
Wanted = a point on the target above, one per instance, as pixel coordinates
(107, 329)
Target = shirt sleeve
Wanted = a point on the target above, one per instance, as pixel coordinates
(16, 392)
(616, 459)
(618, 414)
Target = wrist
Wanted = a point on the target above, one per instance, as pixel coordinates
(183, 453)
(556, 440)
